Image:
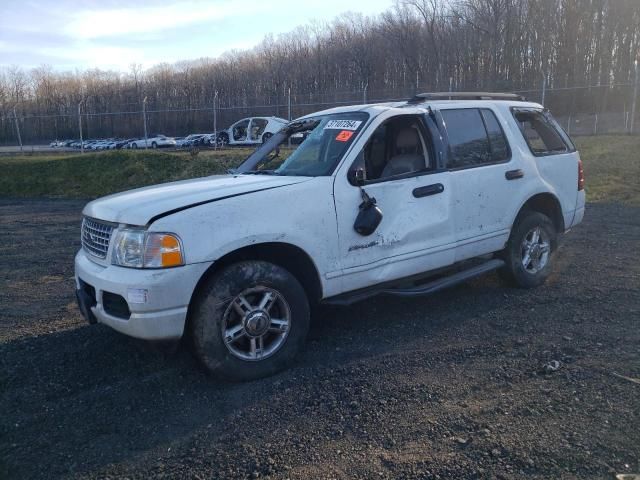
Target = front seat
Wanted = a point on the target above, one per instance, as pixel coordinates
(408, 157)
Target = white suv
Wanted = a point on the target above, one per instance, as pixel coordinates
(397, 199)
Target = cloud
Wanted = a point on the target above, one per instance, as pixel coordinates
(113, 22)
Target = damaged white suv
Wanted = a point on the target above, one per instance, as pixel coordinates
(397, 199)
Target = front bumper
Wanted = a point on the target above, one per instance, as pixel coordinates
(168, 293)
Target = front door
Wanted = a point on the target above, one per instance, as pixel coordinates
(239, 131)
(402, 174)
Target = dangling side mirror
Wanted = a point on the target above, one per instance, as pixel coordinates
(369, 214)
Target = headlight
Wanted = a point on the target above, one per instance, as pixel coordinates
(141, 249)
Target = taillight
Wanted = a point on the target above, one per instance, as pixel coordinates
(580, 176)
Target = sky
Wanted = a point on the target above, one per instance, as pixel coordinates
(113, 34)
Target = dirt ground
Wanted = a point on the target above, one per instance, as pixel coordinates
(447, 386)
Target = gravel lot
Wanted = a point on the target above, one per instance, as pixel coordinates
(447, 386)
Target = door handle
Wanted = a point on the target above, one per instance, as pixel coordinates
(427, 190)
(514, 174)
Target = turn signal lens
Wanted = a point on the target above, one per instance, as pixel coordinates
(162, 250)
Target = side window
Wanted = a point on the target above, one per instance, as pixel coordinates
(539, 133)
(398, 147)
(468, 141)
(497, 141)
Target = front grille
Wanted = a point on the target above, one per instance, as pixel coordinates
(95, 237)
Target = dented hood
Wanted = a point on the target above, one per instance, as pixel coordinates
(144, 205)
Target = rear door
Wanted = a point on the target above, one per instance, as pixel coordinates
(485, 180)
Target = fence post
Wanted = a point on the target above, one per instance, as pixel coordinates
(215, 120)
(544, 87)
(289, 103)
(80, 127)
(450, 84)
(15, 119)
(364, 93)
(595, 125)
(569, 125)
(635, 95)
(144, 118)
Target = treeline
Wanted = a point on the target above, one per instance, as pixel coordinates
(418, 45)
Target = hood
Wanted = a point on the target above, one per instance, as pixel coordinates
(144, 205)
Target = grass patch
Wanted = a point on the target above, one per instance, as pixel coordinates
(611, 163)
(101, 173)
(611, 168)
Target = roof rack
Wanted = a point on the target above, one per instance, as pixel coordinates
(423, 97)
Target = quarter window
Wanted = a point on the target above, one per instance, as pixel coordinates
(539, 133)
(475, 138)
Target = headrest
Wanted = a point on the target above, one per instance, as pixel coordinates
(407, 138)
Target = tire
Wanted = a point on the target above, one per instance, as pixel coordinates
(134, 145)
(266, 137)
(530, 229)
(242, 287)
(223, 140)
(154, 145)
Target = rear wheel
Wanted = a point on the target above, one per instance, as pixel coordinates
(134, 145)
(528, 254)
(154, 145)
(249, 321)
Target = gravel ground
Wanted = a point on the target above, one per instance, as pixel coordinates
(447, 386)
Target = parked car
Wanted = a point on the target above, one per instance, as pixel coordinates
(251, 131)
(153, 141)
(398, 199)
(191, 140)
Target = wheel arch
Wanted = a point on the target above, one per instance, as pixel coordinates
(288, 256)
(547, 204)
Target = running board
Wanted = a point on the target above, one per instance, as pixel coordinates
(446, 282)
(418, 290)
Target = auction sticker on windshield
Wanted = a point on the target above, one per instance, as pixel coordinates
(343, 124)
(344, 136)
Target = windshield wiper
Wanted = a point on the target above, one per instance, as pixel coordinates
(262, 172)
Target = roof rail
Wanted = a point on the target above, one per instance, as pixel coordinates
(423, 97)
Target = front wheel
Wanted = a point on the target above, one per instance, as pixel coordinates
(223, 140)
(249, 321)
(154, 145)
(266, 137)
(528, 254)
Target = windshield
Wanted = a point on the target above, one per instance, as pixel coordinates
(317, 146)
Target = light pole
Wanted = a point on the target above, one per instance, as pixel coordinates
(80, 127)
(144, 118)
(544, 87)
(635, 96)
(215, 120)
(15, 119)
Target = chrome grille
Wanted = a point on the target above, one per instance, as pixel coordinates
(95, 237)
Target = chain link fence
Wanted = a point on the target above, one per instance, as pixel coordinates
(593, 110)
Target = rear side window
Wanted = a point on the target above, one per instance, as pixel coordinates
(475, 138)
(540, 133)
(497, 141)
